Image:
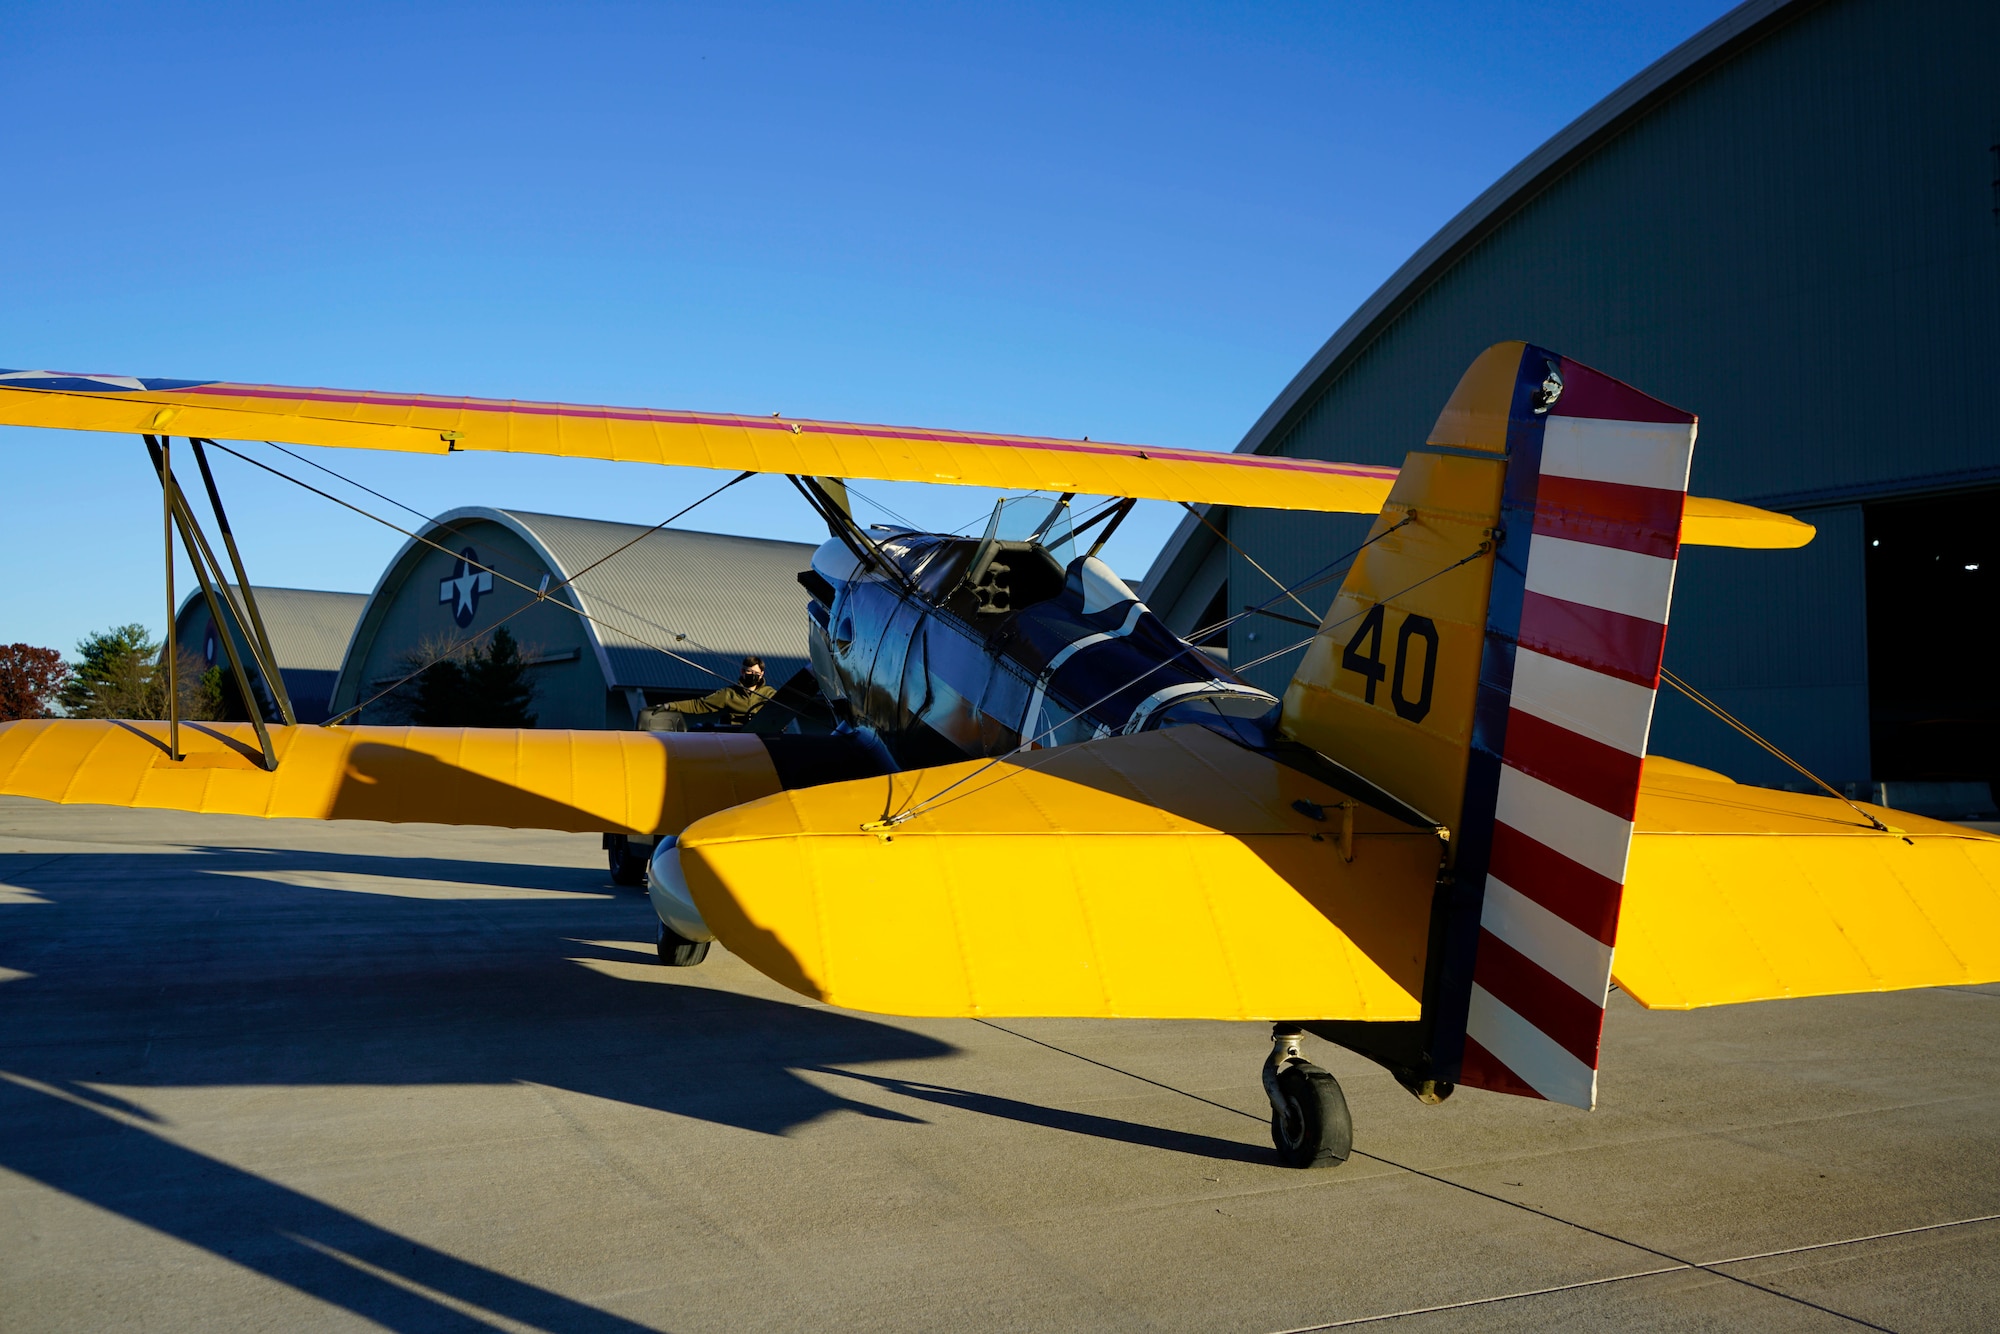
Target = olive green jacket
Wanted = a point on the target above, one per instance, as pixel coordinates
(733, 701)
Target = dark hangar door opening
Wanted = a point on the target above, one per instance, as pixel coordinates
(1933, 678)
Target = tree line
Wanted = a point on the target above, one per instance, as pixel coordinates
(121, 673)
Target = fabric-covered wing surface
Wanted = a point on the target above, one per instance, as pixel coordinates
(586, 782)
(1739, 893)
(1162, 875)
(432, 423)
(428, 423)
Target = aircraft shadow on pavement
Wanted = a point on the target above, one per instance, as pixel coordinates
(231, 967)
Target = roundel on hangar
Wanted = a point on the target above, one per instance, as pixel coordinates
(670, 616)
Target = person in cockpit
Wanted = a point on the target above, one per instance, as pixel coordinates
(731, 706)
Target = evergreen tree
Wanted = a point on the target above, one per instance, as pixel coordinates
(119, 675)
(478, 688)
(112, 668)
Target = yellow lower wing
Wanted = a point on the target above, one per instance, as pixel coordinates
(1740, 893)
(587, 782)
(1165, 875)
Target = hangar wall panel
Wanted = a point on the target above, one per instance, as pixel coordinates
(1800, 245)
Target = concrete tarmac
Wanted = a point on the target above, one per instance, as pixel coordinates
(274, 1075)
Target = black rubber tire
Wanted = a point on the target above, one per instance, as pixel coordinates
(677, 951)
(628, 866)
(1314, 1130)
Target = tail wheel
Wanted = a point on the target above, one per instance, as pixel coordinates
(677, 951)
(1309, 1121)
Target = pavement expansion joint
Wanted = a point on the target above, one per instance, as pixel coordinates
(1687, 1267)
(1677, 1263)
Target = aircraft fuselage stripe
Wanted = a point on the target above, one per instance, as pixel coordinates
(1568, 889)
(1637, 518)
(1605, 708)
(1649, 454)
(1481, 1069)
(1558, 1009)
(1546, 1065)
(1580, 831)
(1627, 647)
(1581, 962)
(1574, 636)
(1588, 770)
(1608, 578)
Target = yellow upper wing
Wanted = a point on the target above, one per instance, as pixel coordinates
(430, 423)
(587, 782)
(1738, 893)
(1164, 875)
(1708, 522)
(426, 423)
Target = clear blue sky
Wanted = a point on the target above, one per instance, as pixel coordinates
(1129, 222)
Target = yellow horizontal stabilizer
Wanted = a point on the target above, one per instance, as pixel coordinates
(1737, 893)
(432, 424)
(587, 782)
(1167, 875)
(1724, 523)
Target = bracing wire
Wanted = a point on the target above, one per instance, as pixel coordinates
(913, 809)
(450, 528)
(1280, 584)
(1753, 735)
(539, 594)
(1331, 570)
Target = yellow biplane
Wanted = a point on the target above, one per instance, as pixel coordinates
(1439, 848)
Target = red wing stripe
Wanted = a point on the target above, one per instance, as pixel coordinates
(1610, 514)
(1609, 641)
(1580, 896)
(1588, 770)
(785, 425)
(1574, 1021)
(1481, 1069)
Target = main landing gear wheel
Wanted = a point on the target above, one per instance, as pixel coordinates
(628, 864)
(677, 951)
(1310, 1126)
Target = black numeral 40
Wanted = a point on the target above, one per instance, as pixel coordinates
(1370, 667)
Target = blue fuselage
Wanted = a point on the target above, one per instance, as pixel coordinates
(962, 648)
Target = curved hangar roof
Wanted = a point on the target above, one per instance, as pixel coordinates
(309, 627)
(1785, 225)
(673, 613)
(1603, 305)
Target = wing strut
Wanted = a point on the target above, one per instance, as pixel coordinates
(267, 656)
(841, 523)
(202, 557)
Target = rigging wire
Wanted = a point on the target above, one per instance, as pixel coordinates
(351, 482)
(911, 812)
(538, 594)
(1751, 733)
(455, 531)
(1313, 580)
(1283, 591)
(543, 596)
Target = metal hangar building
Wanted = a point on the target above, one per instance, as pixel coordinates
(309, 631)
(668, 614)
(1790, 225)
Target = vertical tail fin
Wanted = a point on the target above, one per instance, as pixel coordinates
(1492, 659)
